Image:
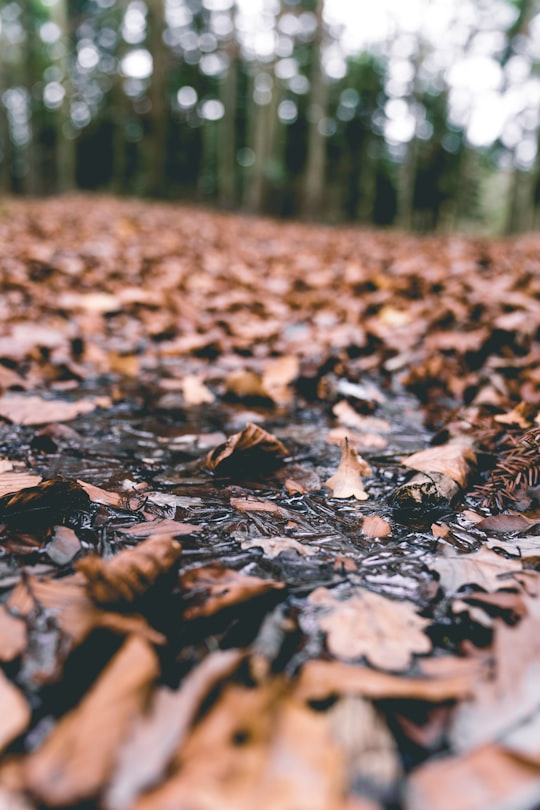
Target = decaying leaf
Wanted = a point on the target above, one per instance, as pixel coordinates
(13, 480)
(14, 710)
(250, 448)
(272, 546)
(163, 527)
(131, 572)
(509, 522)
(256, 748)
(154, 738)
(45, 504)
(483, 567)
(76, 759)
(319, 680)
(453, 459)
(487, 777)
(35, 410)
(376, 526)
(346, 481)
(387, 633)
(12, 635)
(214, 587)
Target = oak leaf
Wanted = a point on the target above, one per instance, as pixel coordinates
(483, 567)
(346, 481)
(213, 587)
(387, 633)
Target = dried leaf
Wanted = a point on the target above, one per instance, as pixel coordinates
(453, 459)
(319, 680)
(375, 526)
(273, 546)
(387, 633)
(163, 527)
(77, 758)
(195, 391)
(63, 546)
(483, 567)
(346, 481)
(14, 481)
(129, 574)
(154, 738)
(12, 635)
(214, 587)
(509, 522)
(348, 417)
(252, 446)
(34, 410)
(487, 777)
(14, 710)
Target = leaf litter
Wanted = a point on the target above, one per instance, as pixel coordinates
(190, 616)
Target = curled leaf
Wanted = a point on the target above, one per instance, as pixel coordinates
(346, 481)
(250, 448)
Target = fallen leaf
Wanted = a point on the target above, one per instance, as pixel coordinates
(509, 522)
(273, 546)
(483, 567)
(319, 680)
(358, 441)
(129, 574)
(14, 710)
(213, 587)
(453, 459)
(45, 504)
(14, 481)
(250, 448)
(346, 481)
(195, 392)
(63, 546)
(154, 738)
(387, 633)
(155, 528)
(115, 499)
(375, 526)
(278, 376)
(13, 637)
(348, 417)
(77, 758)
(34, 410)
(487, 777)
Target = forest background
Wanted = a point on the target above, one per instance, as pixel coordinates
(422, 114)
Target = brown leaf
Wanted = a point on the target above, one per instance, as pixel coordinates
(63, 546)
(214, 587)
(255, 748)
(143, 758)
(14, 710)
(387, 633)
(77, 758)
(34, 410)
(251, 446)
(375, 526)
(155, 528)
(487, 777)
(277, 377)
(12, 635)
(509, 522)
(348, 417)
(319, 680)
(115, 499)
(14, 481)
(67, 602)
(483, 567)
(273, 546)
(195, 391)
(453, 459)
(131, 572)
(346, 481)
(358, 441)
(45, 504)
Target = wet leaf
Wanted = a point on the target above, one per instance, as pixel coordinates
(346, 481)
(453, 459)
(131, 573)
(47, 503)
(513, 522)
(387, 633)
(251, 448)
(375, 526)
(77, 758)
(15, 712)
(485, 568)
(35, 410)
(214, 587)
(272, 546)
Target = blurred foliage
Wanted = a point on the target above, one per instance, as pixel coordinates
(268, 106)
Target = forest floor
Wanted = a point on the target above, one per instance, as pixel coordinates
(269, 506)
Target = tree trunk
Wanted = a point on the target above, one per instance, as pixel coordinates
(315, 170)
(157, 141)
(226, 167)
